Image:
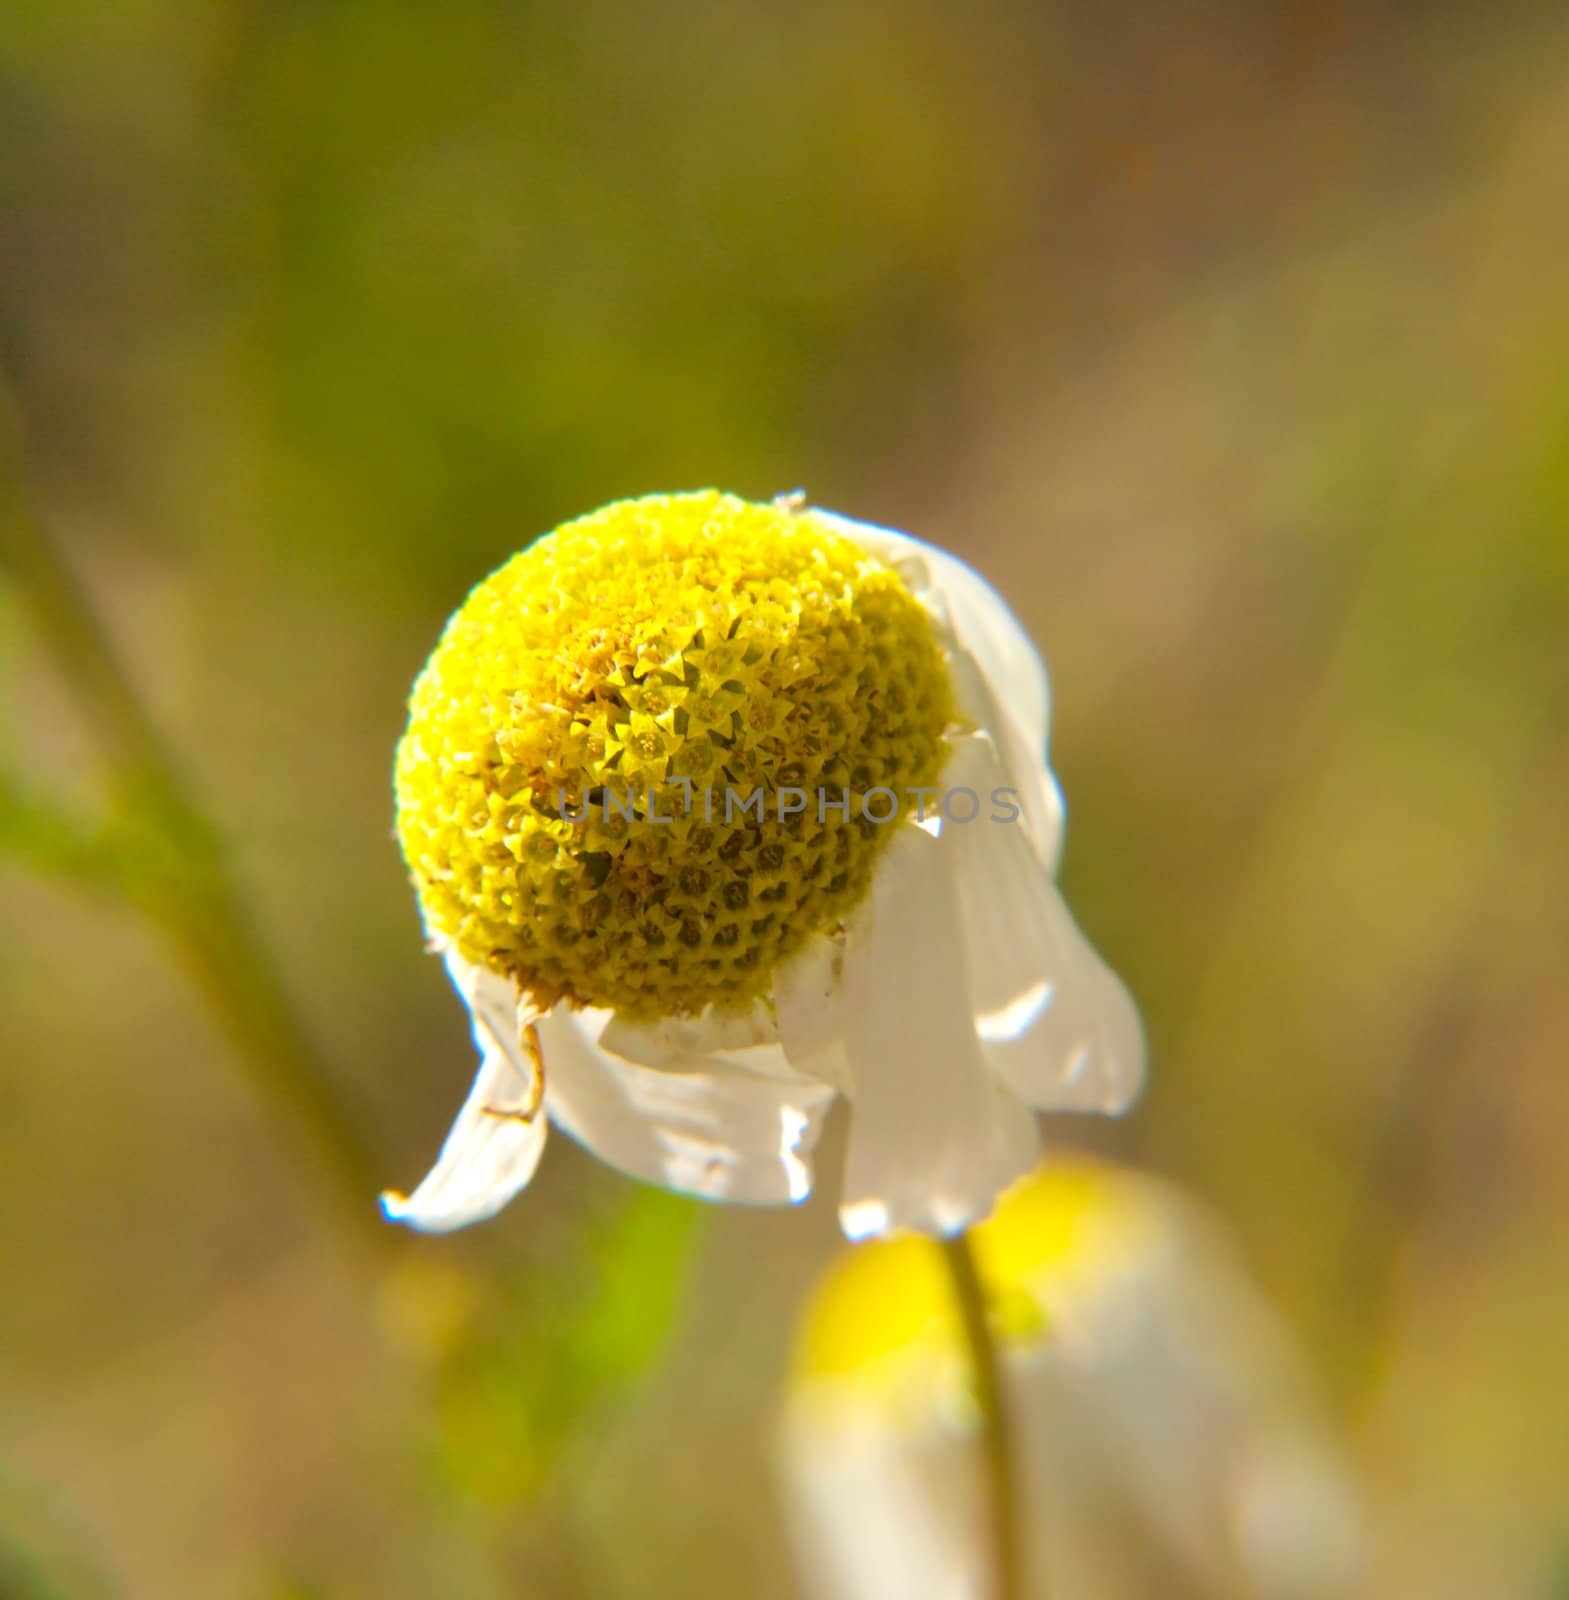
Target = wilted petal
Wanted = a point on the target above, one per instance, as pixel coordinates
(495, 1144)
(1022, 776)
(934, 1140)
(1056, 1023)
(670, 1042)
(711, 1131)
(808, 1004)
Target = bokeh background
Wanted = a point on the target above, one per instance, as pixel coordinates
(1229, 341)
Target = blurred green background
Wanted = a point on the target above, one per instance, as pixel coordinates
(1231, 344)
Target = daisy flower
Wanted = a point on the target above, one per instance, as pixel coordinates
(1166, 1439)
(717, 811)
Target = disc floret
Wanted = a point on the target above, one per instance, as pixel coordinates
(597, 790)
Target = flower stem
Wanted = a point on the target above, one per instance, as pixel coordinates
(173, 864)
(1007, 1566)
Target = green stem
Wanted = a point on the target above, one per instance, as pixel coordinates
(183, 879)
(1007, 1561)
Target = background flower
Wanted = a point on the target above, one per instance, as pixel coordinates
(1164, 1440)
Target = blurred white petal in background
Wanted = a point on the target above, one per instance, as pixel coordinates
(1166, 1440)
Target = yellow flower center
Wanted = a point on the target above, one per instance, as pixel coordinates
(624, 777)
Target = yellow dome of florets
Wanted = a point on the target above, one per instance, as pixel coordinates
(589, 790)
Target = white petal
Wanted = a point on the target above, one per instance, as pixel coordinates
(933, 1140)
(981, 618)
(673, 1040)
(495, 1144)
(1023, 768)
(1297, 1527)
(808, 1003)
(716, 1042)
(874, 1512)
(711, 1131)
(1056, 1023)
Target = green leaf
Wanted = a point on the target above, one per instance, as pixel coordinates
(44, 1552)
(563, 1341)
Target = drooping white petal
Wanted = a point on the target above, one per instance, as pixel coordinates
(677, 1042)
(981, 618)
(746, 1043)
(711, 1131)
(1024, 780)
(495, 1143)
(1055, 1022)
(934, 1139)
(808, 1004)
